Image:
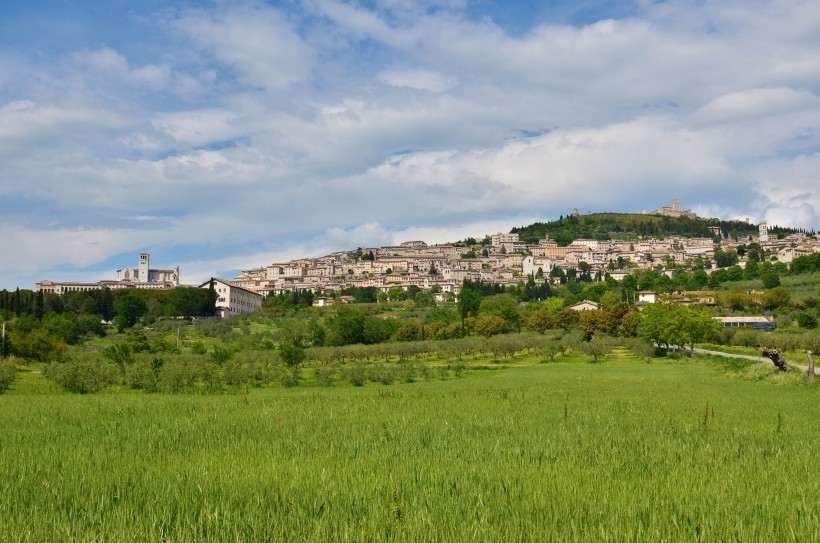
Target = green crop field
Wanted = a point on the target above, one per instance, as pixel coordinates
(675, 450)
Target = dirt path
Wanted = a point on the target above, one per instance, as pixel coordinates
(744, 356)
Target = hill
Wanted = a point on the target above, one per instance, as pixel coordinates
(629, 226)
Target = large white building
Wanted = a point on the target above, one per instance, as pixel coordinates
(231, 299)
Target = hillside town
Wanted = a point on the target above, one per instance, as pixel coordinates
(440, 269)
(502, 259)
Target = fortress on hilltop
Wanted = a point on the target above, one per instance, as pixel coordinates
(673, 210)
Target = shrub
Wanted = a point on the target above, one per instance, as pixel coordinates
(807, 320)
(8, 372)
(236, 375)
(84, 375)
(176, 376)
(382, 374)
(356, 374)
(643, 349)
(325, 376)
(141, 376)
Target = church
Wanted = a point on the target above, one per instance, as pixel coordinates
(140, 277)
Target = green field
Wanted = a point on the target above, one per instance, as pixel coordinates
(675, 450)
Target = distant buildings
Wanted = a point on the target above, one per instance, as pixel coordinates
(143, 274)
(757, 322)
(673, 210)
(142, 277)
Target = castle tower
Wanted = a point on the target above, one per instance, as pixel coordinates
(763, 232)
(143, 268)
(675, 205)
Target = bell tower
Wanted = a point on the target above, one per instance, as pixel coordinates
(763, 230)
(143, 268)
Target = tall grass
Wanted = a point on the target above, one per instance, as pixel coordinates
(568, 451)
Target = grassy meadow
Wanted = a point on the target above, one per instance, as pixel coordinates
(674, 450)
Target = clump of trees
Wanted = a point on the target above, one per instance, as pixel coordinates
(669, 324)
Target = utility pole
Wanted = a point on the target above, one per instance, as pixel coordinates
(3, 345)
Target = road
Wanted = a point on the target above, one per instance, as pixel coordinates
(745, 356)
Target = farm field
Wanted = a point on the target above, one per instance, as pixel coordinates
(674, 450)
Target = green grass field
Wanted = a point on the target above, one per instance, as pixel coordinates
(675, 450)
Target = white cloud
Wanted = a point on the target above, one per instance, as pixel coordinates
(417, 79)
(114, 64)
(199, 127)
(756, 103)
(791, 186)
(258, 43)
(352, 124)
(45, 248)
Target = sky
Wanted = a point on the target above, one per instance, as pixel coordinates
(227, 135)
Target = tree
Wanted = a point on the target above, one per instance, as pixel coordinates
(489, 325)
(592, 321)
(188, 302)
(598, 346)
(541, 321)
(725, 259)
(806, 320)
(670, 324)
(770, 279)
(121, 355)
(776, 297)
(469, 302)
(504, 306)
(346, 328)
(558, 273)
(37, 345)
(128, 310)
(751, 270)
(409, 331)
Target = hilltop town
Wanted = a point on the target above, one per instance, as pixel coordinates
(501, 258)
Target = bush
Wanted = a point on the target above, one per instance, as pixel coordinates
(356, 374)
(236, 375)
(382, 374)
(807, 320)
(8, 371)
(325, 376)
(84, 376)
(176, 376)
(142, 376)
(643, 349)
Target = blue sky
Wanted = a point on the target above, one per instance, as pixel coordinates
(226, 135)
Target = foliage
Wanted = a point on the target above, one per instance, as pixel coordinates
(806, 320)
(127, 311)
(120, 354)
(598, 346)
(490, 325)
(83, 375)
(503, 306)
(36, 345)
(189, 302)
(605, 226)
(8, 371)
(670, 324)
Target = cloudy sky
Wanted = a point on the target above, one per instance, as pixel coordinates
(226, 135)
